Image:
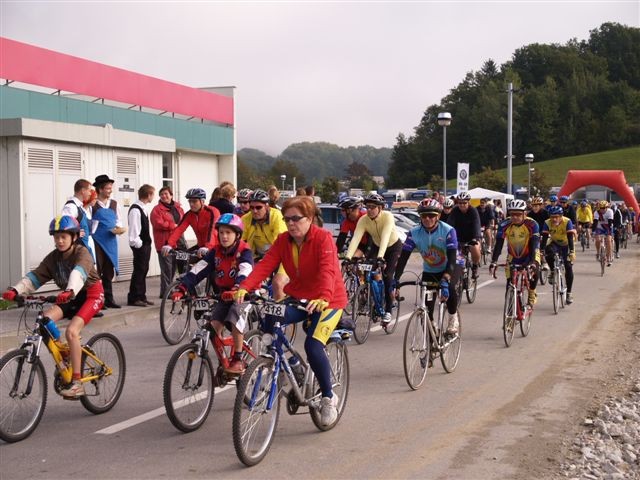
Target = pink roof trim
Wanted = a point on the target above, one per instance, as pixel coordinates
(38, 66)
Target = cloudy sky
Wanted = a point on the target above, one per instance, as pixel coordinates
(350, 73)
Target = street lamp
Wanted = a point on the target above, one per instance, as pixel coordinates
(283, 177)
(444, 120)
(529, 159)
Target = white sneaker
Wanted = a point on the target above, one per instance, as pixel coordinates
(453, 324)
(386, 319)
(328, 410)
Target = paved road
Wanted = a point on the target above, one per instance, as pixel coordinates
(462, 425)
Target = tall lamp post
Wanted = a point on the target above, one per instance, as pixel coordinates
(283, 178)
(444, 120)
(529, 159)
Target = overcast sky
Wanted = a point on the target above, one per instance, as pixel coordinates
(350, 73)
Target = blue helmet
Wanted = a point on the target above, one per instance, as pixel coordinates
(64, 223)
(553, 198)
(564, 198)
(196, 193)
(555, 210)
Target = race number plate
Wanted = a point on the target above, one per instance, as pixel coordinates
(275, 309)
(200, 305)
(182, 256)
(365, 267)
(430, 295)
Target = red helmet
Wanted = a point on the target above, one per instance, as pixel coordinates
(429, 205)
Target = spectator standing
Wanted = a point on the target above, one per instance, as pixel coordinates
(224, 203)
(274, 197)
(140, 243)
(79, 207)
(165, 217)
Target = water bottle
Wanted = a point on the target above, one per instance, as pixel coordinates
(377, 286)
(298, 370)
(52, 328)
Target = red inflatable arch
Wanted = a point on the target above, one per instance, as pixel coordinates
(614, 179)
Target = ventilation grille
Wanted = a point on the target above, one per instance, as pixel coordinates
(126, 166)
(69, 161)
(125, 267)
(40, 158)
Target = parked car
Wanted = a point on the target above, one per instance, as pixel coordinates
(403, 222)
(332, 217)
(410, 214)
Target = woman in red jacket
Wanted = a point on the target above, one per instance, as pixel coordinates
(164, 219)
(310, 260)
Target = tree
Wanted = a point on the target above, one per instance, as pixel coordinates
(288, 168)
(329, 189)
(357, 169)
(489, 179)
(540, 186)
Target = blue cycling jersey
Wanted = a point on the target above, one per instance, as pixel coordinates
(432, 245)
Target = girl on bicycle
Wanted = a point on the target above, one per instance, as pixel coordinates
(226, 265)
(71, 268)
(310, 259)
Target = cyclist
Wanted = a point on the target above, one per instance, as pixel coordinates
(560, 230)
(243, 202)
(568, 210)
(310, 258)
(522, 235)
(487, 221)
(553, 201)
(603, 226)
(262, 225)
(466, 220)
(352, 210)
(226, 265)
(447, 206)
(386, 245)
(438, 246)
(540, 215)
(71, 268)
(584, 216)
(201, 218)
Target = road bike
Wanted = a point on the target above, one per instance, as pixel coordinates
(583, 238)
(623, 236)
(602, 256)
(467, 283)
(485, 246)
(516, 307)
(257, 405)
(190, 378)
(425, 336)
(559, 286)
(23, 381)
(367, 304)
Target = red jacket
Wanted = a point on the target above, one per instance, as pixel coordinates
(202, 223)
(317, 275)
(163, 223)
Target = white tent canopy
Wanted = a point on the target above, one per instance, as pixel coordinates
(493, 195)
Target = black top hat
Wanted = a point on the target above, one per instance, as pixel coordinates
(101, 180)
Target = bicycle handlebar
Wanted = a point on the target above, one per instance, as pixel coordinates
(27, 300)
(257, 299)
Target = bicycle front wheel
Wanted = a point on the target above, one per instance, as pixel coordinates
(416, 349)
(174, 316)
(525, 323)
(602, 260)
(351, 285)
(555, 291)
(450, 348)
(188, 388)
(104, 362)
(472, 289)
(509, 316)
(23, 395)
(362, 313)
(395, 316)
(339, 360)
(254, 422)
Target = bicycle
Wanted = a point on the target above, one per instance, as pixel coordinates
(467, 282)
(368, 301)
(516, 307)
(189, 380)
(257, 405)
(583, 238)
(623, 236)
(559, 287)
(485, 245)
(426, 340)
(602, 255)
(23, 381)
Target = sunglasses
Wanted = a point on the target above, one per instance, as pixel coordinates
(293, 218)
(428, 215)
(256, 207)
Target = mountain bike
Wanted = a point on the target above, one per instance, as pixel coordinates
(257, 405)
(516, 307)
(190, 378)
(425, 337)
(467, 282)
(23, 381)
(559, 287)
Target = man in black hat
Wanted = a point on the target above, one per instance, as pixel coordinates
(107, 214)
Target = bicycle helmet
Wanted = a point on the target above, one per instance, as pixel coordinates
(574, 203)
(349, 203)
(232, 221)
(555, 210)
(429, 205)
(564, 198)
(464, 196)
(375, 198)
(64, 223)
(537, 201)
(583, 203)
(448, 203)
(198, 193)
(517, 205)
(602, 204)
(259, 196)
(553, 198)
(244, 195)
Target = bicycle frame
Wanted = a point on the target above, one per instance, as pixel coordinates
(519, 279)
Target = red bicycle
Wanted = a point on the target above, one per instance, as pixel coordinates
(516, 307)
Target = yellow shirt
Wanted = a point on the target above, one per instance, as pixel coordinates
(584, 214)
(558, 233)
(260, 236)
(382, 230)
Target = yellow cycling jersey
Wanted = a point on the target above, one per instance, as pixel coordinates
(382, 230)
(584, 214)
(558, 233)
(260, 236)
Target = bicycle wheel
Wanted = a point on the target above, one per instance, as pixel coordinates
(450, 348)
(253, 339)
(508, 316)
(460, 286)
(174, 316)
(21, 411)
(188, 388)
(555, 290)
(339, 360)
(351, 285)
(471, 290)
(543, 275)
(416, 350)
(395, 317)
(583, 242)
(254, 424)
(602, 259)
(362, 313)
(484, 251)
(525, 323)
(109, 368)
(563, 287)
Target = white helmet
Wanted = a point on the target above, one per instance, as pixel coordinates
(519, 205)
(464, 196)
(448, 203)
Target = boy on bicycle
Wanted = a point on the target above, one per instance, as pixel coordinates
(72, 269)
(523, 238)
(560, 229)
(226, 265)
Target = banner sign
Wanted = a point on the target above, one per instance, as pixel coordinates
(463, 177)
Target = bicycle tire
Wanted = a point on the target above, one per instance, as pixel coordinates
(483, 251)
(555, 290)
(563, 287)
(188, 392)
(174, 324)
(13, 427)
(602, 259)
(525, 323)
(471, 290)
(464, 279)
(362, 313)
(253, 425)
(450, 355)
(416, 350)
(508, 316)
(351, 285)
(543, 275)
(395, 317)
(337, 353)
(103, 393)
